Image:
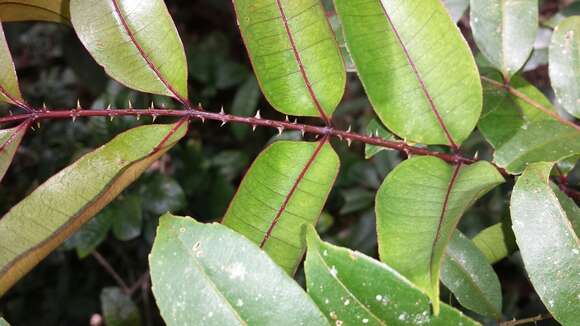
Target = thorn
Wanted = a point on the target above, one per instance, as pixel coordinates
(223, 123)
(349, 142)
(222, 110)
(74, 118)
(295, 121)
(78, 104)
(138, 116)
(32, 127)
(152, 105)
(303, 132)
(258, 116)
(280, 129)
(111, 118)
(377, 133)
(163, 105)
(10, 112)
(130, 104)
(316, 136)
(476, 155)
(286, 119)
(339, 136)
(109, 107)
(44, 108)
(202, 119)
(154, 117)
(38, 124)
(254, 127)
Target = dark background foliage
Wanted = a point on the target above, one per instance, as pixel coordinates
(199, 177)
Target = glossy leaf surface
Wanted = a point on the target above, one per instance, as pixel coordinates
(9, 89)
(9, 141)
(548, 243)
(338, 281)
(565, 64)
(419, 73)
(136, 42)
(207, 274)
(505, 31)
(57, 11)
(418, 208)
(285, 188)
(59, 207)
(467, 273)
(496, 242)
(294, 54)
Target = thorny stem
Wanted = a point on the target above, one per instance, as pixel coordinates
(526, 320)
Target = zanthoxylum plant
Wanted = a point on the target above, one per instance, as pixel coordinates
(428, 95)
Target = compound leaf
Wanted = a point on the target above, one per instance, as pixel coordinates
(285, 188)
(418, 208)
(419, 73)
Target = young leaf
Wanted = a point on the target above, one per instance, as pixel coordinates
(419, 73)
(118, 308)
(466, 272)
(505, 31)
(496, 242)
(136, 42)
(9, 141)
(565, 64)
(285, 188)
(418, 208)
(456, 8)
(376, 128)
(338, 281)
(9, 90)
(207, 274)
(57, 11)
(59, 207)
(294, 54)
(548, 243)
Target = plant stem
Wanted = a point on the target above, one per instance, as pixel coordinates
(105, 264)
(525, 321)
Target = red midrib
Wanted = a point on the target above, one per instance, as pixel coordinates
(292, 191)
(12, 137)
(442, 217)
(421, 81)
(145, 56)
(323, 114)
(14, 101)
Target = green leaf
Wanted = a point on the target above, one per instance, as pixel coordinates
(565, 64)
(505, 31)
(128, 218)
(286, 188)
(59, 207)
(3, 322)
(548, 244)
(419, 73)
(9, 90)
(572, 9)
(56, 11)
(456, 8)
(239, 283)
(294, 54)
(376, 128)
(418, 208)
(163, 194)
(136, 42)
(245, 104)
(118, 308)
(91, 235)
(354, 289)
(9, 141)
(470, 277)
(540, 141)
(496, 242)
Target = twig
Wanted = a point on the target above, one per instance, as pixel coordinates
(525, 320)
(107, 267)
(144, 279)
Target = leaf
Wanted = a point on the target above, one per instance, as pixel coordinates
(136, 42)
(456, 8)
(419, 74)
(418, 208)
(3, 322)
(91, 235)
(572, 9)
(128, 220)
(294, 54)
(239, 283)
(565, 64)
(118, 308)
(548, 244)
(338, 281)
(163, 194)
(9, 141)
(245, 104)
(540, 141)
(466, 272)
(505, 31)
(59, 207)
(286, 188)
(56, 11)
(9, 90)
(496, 242)
(376, 128)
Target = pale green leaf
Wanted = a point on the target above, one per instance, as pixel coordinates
(496, 242)
(286, 188)
(565, 64)
(118, 308)
(9, 141)
(3, 322)
(136, 42)
(376, 129)
(9, 90)
(419, 73)
(354, 289)
(505, 31)
(59, 207)
(207, 274)
(57, 11)
(294, 54)
(418, 208)
(467, 273)
(549, 246)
